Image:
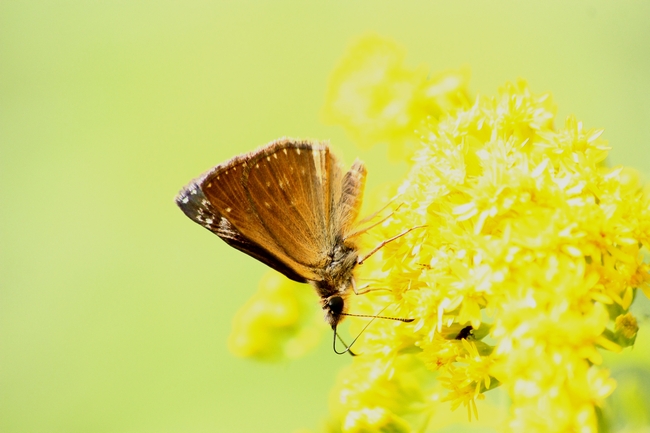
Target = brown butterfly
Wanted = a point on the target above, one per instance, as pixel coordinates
(289, 205)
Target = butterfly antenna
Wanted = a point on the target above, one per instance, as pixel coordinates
(399, 319)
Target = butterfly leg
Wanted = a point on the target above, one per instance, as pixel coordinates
(360, 260)
(374, 214)
(365, 229)
(363, 290)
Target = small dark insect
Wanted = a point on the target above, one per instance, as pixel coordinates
(289, 205)
(465, 333)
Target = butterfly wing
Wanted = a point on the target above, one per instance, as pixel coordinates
(294, 186)
(351, 197)
(219, 201)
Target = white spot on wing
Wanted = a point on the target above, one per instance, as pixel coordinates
(224, 224)
(318, 165)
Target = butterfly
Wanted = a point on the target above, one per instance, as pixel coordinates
(289, 205)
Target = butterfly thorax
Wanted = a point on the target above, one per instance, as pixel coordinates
(336, 281)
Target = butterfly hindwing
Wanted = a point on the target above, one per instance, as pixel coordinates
(351, 196)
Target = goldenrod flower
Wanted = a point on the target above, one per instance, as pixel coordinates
(528, 263)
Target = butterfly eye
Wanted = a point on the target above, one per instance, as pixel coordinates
(335, 305)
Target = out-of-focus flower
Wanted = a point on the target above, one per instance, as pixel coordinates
(377, 99)
(280, 321)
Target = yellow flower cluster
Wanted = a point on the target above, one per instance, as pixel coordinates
(529, 261)
(527, 257)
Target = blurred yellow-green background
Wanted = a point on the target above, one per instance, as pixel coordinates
(114, 307)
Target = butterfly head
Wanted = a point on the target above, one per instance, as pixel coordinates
(334, 307)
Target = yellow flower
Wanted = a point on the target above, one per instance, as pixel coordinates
(368, 420)
(626, 328)
(531, 248)
(370, 396)
(379, 100)
(280, 321)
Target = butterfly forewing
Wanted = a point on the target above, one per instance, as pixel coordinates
(218, 201)
(293, 198)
